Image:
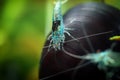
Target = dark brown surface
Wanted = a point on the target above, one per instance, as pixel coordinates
(88, 19)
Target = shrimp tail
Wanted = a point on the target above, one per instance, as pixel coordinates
(63, 2)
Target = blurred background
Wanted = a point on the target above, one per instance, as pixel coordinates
(24, 25)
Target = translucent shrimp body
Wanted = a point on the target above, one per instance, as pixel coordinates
(103, 59)
(57, 36)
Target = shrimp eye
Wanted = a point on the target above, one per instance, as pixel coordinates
(55, 25)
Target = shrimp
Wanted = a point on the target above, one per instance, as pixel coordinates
(57, 36)
(103, 59)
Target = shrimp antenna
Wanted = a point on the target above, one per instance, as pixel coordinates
(63, 2)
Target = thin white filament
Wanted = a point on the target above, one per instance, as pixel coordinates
(75, 70)
(102, 33)
(73, 55)
(76, 39)
(88, 40)
(80, 66)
